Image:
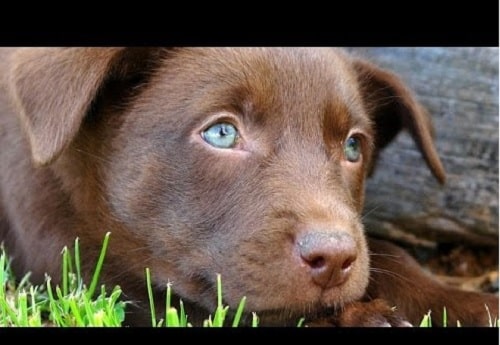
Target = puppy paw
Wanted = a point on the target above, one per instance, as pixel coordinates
(375, 313)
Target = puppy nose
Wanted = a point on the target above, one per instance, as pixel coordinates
(328, 255)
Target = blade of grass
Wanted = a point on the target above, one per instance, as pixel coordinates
(76, 312)
(24, 282)
(10, 312)
(426, 321)
(172, 318)
(490, 321)
(22, 308)
(77, 263)
(97, 272)
(55, 314)
(116, 307)
(255, 320)
(65, 270)
(183, 316)
(150, 296)
(169, 296)
(34, 321)
(219, 290)
(221, 311)
(90, 311)
(239, 312)
(3, 281)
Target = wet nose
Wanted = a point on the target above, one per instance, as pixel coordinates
(328, 255)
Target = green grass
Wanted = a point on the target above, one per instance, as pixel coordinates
(71, 305)
(74, 304)
(175, 318)
(427, 320)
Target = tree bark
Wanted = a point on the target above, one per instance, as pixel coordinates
(459, 87)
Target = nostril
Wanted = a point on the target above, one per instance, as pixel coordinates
(348, 263)
(317, 262)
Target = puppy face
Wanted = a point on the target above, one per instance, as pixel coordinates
(245, 162)
(238, 209)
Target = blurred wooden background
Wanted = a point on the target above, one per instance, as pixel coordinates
(459, 87)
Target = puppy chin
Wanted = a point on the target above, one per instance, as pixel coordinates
(326, 304)
(309, 312)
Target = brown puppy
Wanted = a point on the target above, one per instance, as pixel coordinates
(245, 162)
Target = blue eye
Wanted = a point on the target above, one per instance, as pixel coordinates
(352, 149)
(221, 135)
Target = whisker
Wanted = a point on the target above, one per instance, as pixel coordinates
(390, 274)
(373, 209)
(87, 153)
(385, 255)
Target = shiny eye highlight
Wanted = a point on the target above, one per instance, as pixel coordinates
(222, 135)
(352, 149)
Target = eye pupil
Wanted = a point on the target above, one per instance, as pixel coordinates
(221, 135)
(352, 149)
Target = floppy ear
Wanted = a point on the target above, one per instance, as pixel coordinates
(392, 107)
(54, 88)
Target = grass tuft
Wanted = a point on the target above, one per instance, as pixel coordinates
(426, 320)
(69, 305)
(174, 318)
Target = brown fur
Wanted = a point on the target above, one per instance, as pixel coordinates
(108, 139)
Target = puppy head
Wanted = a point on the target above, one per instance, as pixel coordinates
(245, 162)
